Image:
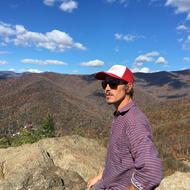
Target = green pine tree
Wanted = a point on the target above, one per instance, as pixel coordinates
(47, 128)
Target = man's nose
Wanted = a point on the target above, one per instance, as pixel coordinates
(107, 87)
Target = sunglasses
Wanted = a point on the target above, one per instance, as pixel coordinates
(112, 83)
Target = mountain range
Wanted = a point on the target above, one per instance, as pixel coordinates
(77, 105)
(77, 100)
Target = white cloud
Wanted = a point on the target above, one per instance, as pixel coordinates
(49, 2)
(139, 64)
(148, 57)
(118, 36)
(64, 5)
(26, 70)
(93, 63)
(3, 62)
(161, 60)
(130, 37)
(6, 30)
(54, 40)
(144, 58)
(33, 71)
(127, 37)
(188, 17)
(182, 6)
(182, 27)
(68, 5)
(20, 29)
(153, 54)
(75, 71)
(186, 44)
(145, 70)
(186, 59)
(180, 40)
(43, 62)
(142, 70)
(12, 69)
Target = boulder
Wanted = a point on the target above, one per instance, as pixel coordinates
(51, 164)
(64, 163)
(52, 178)
(178, 180)
(75, 153)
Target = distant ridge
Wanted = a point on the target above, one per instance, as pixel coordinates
(171, 85)
(165, 85)
(10, 74)
(77, 101)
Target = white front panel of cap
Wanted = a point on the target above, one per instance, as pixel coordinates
(117, 70)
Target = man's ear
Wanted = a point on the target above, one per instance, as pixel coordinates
(129, 86)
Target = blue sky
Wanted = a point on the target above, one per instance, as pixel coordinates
(86, 36)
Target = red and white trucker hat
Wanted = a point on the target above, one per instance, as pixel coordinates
(117, 71)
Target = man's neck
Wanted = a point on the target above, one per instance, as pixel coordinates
(123, 103)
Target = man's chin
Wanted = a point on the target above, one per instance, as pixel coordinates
(109, 101)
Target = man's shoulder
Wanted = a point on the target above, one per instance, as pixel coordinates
(135, 111)
(136, 116)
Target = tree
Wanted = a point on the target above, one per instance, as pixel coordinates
(47, 128)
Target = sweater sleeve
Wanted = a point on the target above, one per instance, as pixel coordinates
(148, 169)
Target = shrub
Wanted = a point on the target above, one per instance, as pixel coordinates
(47, 128)
(4, 142)
(23, 137)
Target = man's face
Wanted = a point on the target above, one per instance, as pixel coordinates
(115, 90)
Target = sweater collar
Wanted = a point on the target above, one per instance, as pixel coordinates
(125, 109)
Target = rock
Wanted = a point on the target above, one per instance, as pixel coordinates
(63, 163)
(36, 179)
(51, 164)
(72, 180)
(176, 181)
(75, 153)
(23, 158)
(44, 179)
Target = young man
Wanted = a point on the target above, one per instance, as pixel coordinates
(132, 161)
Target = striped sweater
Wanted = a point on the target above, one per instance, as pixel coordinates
(131, 156)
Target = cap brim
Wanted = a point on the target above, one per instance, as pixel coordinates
(102, 75)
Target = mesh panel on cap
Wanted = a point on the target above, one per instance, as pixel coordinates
(117, 70)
